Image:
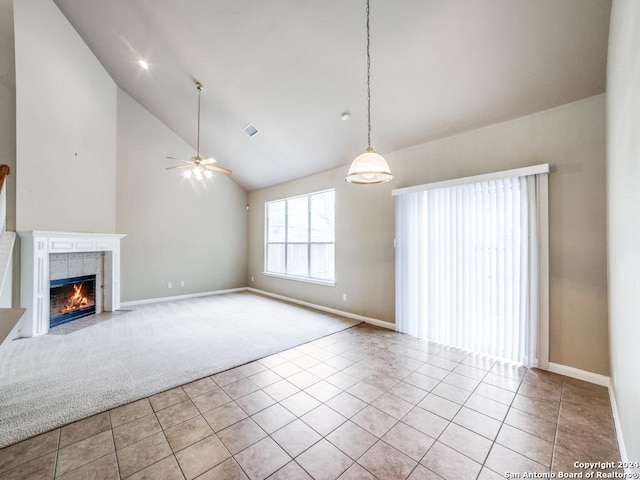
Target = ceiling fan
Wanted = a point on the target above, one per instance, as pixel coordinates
(197, 166)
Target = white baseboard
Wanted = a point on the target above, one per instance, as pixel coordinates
(579, 374)
(616, 421)
(604, 381)
(372, 321)
(133, 303)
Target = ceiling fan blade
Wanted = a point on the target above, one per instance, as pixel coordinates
(208, 161)
(226, 171)
(178, 166)
(190, 162)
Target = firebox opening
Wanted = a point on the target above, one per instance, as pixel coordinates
(71, 298)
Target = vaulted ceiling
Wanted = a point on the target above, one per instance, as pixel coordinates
(292, 67)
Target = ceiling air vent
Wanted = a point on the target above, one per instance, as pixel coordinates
(251, 130)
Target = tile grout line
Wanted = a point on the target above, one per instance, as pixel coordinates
(430, 392)
(555, 436)
(78, 441)
(451, 421)
(370, 404)
(154, 413)
(162, 429)
(115, 450)
(464, 405)
(173, 454)
(482, 465)
(502, 425)
(55, 464)
(322, 437)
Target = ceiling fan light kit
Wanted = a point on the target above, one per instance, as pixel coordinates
(369, 167)
(198, 167)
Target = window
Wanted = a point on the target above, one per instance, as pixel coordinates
(299, 237)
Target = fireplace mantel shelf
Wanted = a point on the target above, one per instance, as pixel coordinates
(37, 245)
(68, 242)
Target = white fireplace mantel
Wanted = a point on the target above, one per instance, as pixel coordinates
(34, 292)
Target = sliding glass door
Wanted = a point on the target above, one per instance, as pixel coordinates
(467, 266)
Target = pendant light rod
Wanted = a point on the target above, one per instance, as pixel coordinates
(200, 88)
(197, 166)
(369, 167)
(368, 81)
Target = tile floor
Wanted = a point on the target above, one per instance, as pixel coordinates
(364, 403)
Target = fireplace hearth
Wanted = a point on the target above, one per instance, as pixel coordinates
(71, 298)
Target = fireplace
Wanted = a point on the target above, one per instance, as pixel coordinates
(41, 264)
(71, 298)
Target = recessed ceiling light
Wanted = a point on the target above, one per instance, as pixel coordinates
(345, 116)
(143, 64)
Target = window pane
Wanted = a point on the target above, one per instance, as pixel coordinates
(300, 236)
(322, 217)
(298, 219)
(276, 220)
(297, 260)
(275, 258)
(322, 261)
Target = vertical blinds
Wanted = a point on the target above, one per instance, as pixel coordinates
(466, 272)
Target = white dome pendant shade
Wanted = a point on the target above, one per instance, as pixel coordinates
(369, 167)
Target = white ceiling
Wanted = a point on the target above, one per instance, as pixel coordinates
(291, 67)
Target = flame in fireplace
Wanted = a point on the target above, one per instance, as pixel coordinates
(76, 301)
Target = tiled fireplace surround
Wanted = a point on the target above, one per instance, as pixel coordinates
(66, 265)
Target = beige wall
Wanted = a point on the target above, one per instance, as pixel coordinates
(65, 125)
(8, 106)
(67, 104)
(571, 138)
(623, 181)
(8, 136)
(177, 230)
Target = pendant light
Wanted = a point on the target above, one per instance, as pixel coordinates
(369, 167)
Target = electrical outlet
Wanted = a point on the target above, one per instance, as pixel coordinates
(252, 279)
(344, 297)
(182, 283)
(169, 285)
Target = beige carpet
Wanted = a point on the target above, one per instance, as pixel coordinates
(52, 380)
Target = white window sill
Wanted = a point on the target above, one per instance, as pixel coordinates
(317, 281)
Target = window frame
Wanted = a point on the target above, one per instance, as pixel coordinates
(286, 242)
